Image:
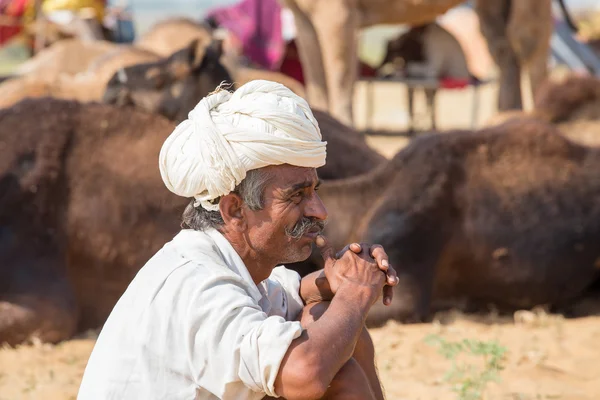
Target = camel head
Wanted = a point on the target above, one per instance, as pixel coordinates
(171, 86)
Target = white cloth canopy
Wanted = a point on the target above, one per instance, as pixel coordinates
(228, 134)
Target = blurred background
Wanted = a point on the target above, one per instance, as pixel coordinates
(412, 79)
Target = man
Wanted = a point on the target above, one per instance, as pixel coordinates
(211, 315)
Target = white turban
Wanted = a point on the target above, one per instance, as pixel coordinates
(228, 134)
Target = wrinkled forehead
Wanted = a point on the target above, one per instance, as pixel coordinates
(287, 176)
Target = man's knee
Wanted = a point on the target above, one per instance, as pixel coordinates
(364, 344)
(350, 382)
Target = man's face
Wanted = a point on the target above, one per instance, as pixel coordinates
(292, 217)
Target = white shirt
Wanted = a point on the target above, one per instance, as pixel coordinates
(193, 325)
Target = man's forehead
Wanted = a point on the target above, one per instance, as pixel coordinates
(286, 175)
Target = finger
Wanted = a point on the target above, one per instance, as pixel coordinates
(379, 254)
(325, 248)
(388, 294)
(391, 276)
(355, 247)
(340, 253)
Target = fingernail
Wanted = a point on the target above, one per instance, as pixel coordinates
(320, 241)
(385, 263)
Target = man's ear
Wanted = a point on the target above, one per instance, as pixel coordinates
(231, 210)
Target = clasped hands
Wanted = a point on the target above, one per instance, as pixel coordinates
(365, 258)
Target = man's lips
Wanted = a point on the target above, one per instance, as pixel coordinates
(313, 232)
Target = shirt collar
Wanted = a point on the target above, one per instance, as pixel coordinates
(194, 248)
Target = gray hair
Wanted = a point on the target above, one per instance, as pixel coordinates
(251, 190)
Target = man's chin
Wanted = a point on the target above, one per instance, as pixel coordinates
(303, 250)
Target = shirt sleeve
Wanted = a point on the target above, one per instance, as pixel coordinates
(231, 339)
(283, 292)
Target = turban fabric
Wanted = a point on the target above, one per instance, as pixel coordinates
(228, 134)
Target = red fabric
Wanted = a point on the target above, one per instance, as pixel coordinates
(14, 8)
(454, 83)
(291, 65)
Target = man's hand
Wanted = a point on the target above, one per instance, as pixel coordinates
(376, 252)
(355, 268)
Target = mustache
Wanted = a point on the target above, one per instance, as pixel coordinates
(303, 226)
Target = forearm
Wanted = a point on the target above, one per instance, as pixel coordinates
(333, 336)
(314, 287)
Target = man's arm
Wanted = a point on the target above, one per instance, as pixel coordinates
(314, 288)
(314, 358)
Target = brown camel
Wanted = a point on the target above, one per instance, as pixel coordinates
(506, 215)
(572, 104)
(65, 57)
(91, 84)
(172, 34)
(327, 34)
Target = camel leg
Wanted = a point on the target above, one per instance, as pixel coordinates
(313, 70)
(509, 97)
(538, 72)
(530, 40)
(494, 17)
(337, 35)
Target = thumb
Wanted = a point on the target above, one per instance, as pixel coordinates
(325, 248)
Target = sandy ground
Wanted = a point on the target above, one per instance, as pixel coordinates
(548, 356)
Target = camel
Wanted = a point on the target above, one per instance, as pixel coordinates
(70, 56)
(76, 69)
(326, 37)
(571, 104)
(172, 34)
(76, 182)
(90, 85)
(65, 57)
(506, 215)
(119, 91)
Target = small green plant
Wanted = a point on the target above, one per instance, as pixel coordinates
(469, 381)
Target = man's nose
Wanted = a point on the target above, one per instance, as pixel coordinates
(315, 208)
